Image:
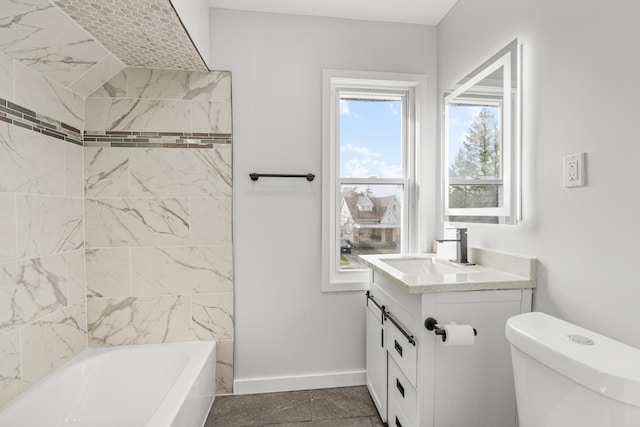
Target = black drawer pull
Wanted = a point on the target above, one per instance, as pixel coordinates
(398, 422)
(398, 347)
(399, 387)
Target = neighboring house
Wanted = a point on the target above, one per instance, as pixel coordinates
(370, 219)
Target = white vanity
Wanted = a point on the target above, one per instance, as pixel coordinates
(413, 378)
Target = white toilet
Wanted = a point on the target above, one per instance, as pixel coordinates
(567, 376)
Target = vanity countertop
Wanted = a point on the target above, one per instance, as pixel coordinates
(426, 273)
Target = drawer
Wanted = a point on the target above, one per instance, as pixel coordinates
(403, 352)
(401, 394)
(396, 418)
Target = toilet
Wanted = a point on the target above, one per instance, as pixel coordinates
(567, 376)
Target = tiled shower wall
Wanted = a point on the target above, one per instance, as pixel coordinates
(156, 194)
(158, 211)
(42, 290)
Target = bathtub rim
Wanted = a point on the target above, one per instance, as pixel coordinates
(199, 352)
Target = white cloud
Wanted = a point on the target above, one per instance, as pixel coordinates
(368, 163)
(344, 108)
(359, 150)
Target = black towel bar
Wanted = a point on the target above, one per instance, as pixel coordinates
(254, 176)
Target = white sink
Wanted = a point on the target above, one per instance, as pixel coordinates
(419, 268)
(426, 266)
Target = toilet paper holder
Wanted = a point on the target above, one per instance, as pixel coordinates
(432, 325)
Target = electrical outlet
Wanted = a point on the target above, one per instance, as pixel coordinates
(575, 171)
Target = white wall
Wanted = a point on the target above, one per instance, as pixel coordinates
(285, 327)
(194, 15)
(581, 91)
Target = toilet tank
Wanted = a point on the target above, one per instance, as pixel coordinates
(568, 376)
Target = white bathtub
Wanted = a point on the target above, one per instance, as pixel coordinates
(165, 385)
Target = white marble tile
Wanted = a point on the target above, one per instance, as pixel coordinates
(210, 221)
(212, 317)
(149, 320)
(137, 115)
(37, 93)
(116, 87)
(30, 162)
(76, 291)
(214, 117)
(8, 244)
(48, 225)
(136, 222)
(95, 77)
(174, 84)
(181, 270)
(51, 341)
(6, 77)
(44, 38)
(74, 170)
(106, 171)
(214, 87)
(29, 290)
(224, 367)
(177, 172)
(10, 372)
(108, 272)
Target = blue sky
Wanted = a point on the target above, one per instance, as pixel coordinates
(370, 139)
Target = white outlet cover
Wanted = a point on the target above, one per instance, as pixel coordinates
(575, 170)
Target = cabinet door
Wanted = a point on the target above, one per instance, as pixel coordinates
(376, 360)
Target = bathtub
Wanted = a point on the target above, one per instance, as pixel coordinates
(163, 385)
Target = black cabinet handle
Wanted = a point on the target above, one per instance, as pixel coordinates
(399, 387)
(398, 347)
(398, 422)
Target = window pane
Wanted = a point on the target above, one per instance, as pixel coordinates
(370, 138)
(475, 196)
(474, 141)
(370, 222)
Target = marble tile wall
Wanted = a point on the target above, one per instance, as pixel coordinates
(158, 220)
(30, 89)
(42, 285)
(140, 99)
(48, 41)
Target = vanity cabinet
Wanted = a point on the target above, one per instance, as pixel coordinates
(427, 384)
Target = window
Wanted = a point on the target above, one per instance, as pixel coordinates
(369, 171)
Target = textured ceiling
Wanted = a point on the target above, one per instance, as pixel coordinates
(141, 33)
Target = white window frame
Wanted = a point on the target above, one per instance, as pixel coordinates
(409, 87)
(506, 144)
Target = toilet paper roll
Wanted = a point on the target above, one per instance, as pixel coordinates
(458, 335)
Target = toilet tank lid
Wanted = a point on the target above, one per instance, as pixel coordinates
(602, 364)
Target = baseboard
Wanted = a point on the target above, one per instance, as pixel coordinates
(299, 382)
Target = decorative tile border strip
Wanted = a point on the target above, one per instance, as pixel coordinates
(17, 115)
(154, 139)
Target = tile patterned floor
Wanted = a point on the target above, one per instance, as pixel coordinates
(332, 407)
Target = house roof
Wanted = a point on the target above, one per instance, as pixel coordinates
(374, 216)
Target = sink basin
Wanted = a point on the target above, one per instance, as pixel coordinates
(425, 266)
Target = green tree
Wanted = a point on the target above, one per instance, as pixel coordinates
(479, 155)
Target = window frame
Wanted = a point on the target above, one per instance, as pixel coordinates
(507, 143)
(362, 84)
(510, 96)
